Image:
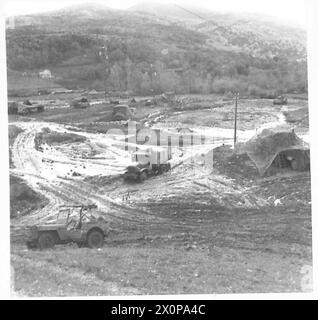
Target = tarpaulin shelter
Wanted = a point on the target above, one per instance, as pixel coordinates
(265, 148)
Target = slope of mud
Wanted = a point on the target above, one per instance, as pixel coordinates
(23, 199)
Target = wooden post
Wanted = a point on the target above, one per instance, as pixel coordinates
(107, 69)
(235, 117)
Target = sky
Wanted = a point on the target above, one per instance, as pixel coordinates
(287, 10)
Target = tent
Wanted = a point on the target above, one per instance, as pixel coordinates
(264, 148)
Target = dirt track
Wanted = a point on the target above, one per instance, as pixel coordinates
(194, 207)
(128, 207)
(58, 189)
(61, 188)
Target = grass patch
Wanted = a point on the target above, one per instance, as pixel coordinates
(148, 269)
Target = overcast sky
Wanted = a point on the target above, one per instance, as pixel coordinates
(292, 10)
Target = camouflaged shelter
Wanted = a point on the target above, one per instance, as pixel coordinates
(279, 149)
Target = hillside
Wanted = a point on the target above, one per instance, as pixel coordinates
(186, 14)
(154, 48)
(252, 33)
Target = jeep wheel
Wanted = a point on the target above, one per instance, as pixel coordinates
(95, 239)
(46, 240)
(294, 165)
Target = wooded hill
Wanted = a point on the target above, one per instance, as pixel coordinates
(149, 52)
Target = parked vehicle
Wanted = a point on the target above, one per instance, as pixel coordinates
(280, 100)
(146, 164)
(80, 103)
(24, 108)
(122, 112)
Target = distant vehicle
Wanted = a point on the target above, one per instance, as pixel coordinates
(150, 102)
(80, 103)
(113, 101)
(280, 100)
(79, 228)
(122, 112)
(25, 108)
(30, 109)
(43, 92)
(148, 164)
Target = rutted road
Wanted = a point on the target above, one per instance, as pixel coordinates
(59, 190)
(52, 179)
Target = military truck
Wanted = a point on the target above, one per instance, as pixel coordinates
(80, 103)
(148, 163)
(24, 108)
(81, 228)
(122, 112)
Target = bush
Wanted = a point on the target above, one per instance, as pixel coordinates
(224, 85)
(258, 92)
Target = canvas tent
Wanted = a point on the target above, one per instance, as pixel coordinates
(264, 148)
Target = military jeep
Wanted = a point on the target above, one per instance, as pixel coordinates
(81, 228)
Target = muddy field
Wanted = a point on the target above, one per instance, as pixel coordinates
(185, 231)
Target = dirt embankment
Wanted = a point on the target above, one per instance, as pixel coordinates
(23, 199)
(55, 138)
(14, 131)
(235, 166)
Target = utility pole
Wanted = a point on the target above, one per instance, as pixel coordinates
(107, 67)
(235, 117)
